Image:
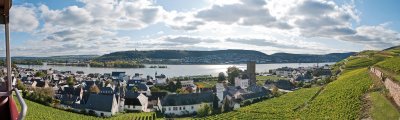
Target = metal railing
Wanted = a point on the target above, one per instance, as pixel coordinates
(24, 107)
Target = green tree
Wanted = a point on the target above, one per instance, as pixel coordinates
(155, 89)
(204, 111)
(232, 73)
(135, 89)
(221, 77)
(171, 86)
(40, 74)
(178, 84)
(71, 81)
(20, 85)
(94, 89)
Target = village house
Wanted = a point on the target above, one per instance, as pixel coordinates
(135, 101)
(188, 84)
(70, 95)
(102, 105)
(241, 82)
(284, 71)
(160, 79)
(185, 104)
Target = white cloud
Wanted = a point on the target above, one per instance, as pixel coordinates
(265, 25)
(374, 37)
(23, 18)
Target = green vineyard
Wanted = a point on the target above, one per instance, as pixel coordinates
(338, 100)
(40, 112)
(275, 108)
(341, 98)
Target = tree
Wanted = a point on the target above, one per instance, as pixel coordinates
(225, 106)
(155, 89)
(135, 89)
(94, 89)
(107, 82)
(232, 73)
(40, 74)
(71, 81)
(178, 84)
(221, 77)
(20, 85)
(275, 91)
(171, 86)
(204, 111)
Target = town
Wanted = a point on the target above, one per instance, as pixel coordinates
(107, 94)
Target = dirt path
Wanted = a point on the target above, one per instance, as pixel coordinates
(364, 113)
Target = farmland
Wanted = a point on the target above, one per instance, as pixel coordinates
(341, 98)
(275, 108)
(40, 112)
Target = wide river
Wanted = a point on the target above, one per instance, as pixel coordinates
(174, 70)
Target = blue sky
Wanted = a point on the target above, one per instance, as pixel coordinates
(69, 27)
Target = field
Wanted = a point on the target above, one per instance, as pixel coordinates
(206, 84)
(381, 108)
(340, 99)
(276, 108)
(40, 112)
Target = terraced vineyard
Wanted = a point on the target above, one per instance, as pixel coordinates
(275, 108)
(340, 99)
(391, 66)
(360, 62)
(40, 112)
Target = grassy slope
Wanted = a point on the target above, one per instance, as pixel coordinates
(381, 108)
(276, 108)
(40, 112)
(340, 99)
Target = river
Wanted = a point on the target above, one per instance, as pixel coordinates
(173, 70)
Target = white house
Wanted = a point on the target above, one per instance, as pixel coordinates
(284, 71)
(102, 105)
(136, 102)
(242, 83)
(160, 79)
(184, 104)
(188, 83)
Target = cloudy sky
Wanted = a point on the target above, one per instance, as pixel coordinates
(68, 27)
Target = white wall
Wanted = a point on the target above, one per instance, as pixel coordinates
(180, 110)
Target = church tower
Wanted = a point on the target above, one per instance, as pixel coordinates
(251, 73)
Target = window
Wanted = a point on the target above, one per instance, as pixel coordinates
(192, 107)
(169, 109)
(175, 108)
(180, 108)
(184, 108)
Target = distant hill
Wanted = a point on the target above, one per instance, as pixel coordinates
(217, 57)
(63, 59)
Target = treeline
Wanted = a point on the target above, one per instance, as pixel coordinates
(117, 64)
(28, 62)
